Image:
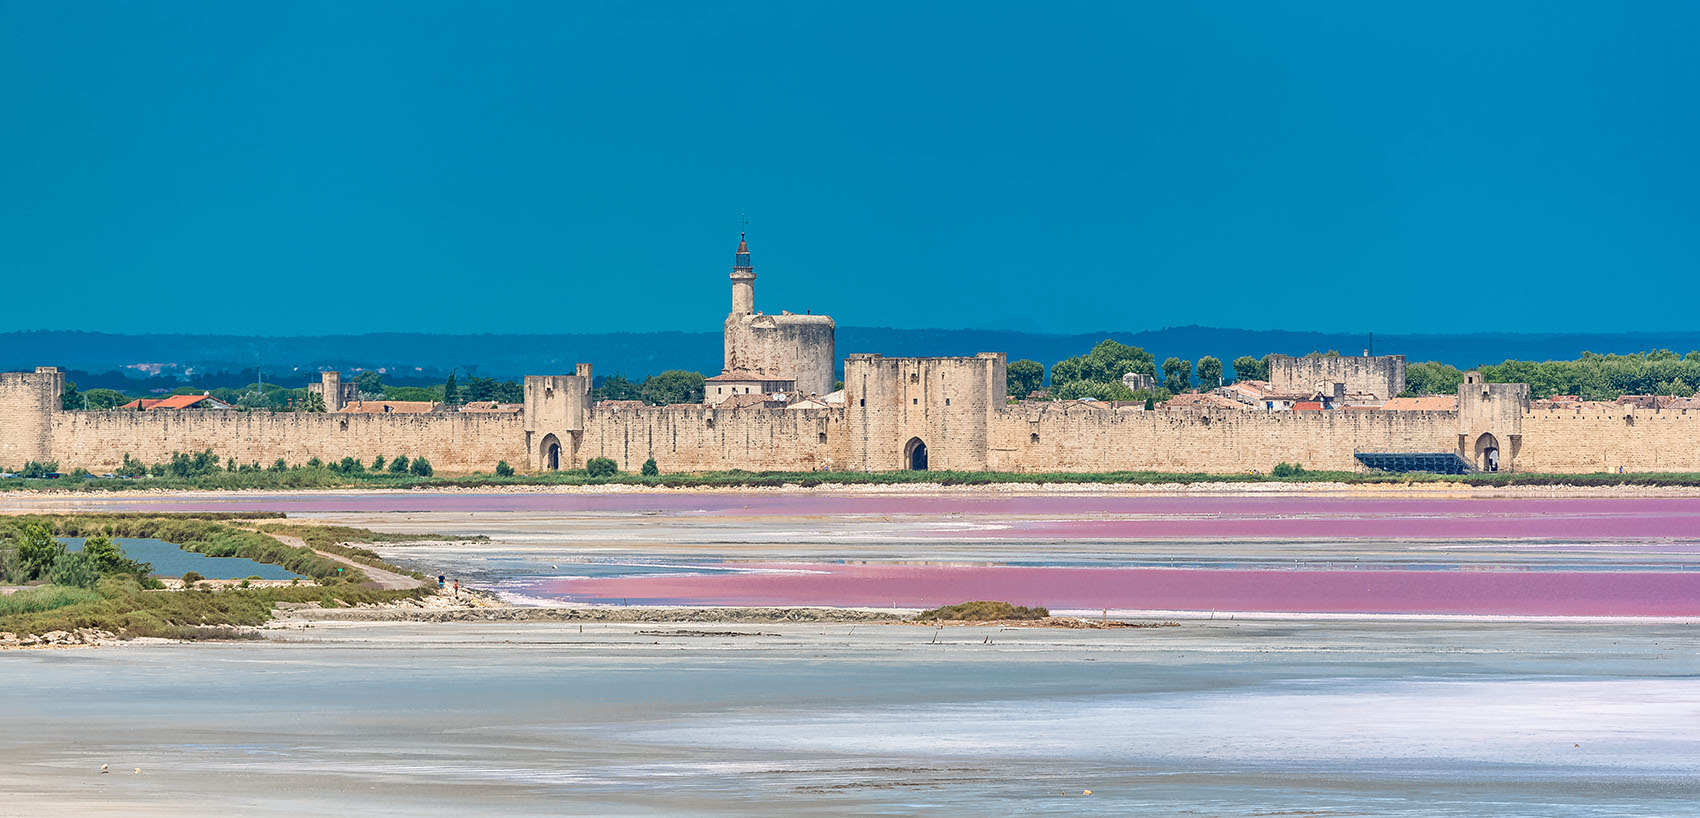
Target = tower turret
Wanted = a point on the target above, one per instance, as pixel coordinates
(743, 280)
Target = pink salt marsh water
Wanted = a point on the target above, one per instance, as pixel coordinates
(1447, 592)
(1060, 517)
(1118, 535)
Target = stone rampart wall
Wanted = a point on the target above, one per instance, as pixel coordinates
(1084, 439)
(453, 442)
(700, 438)
(1593, 440)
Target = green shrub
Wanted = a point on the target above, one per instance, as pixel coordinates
(1285, 469)
(601, 467)
(981, 611)
(504, 470)
(45, 598)
(378, 463)
(650, 469)
(420, 467)
(399, 464)
(38, 469)
(278, 466)
(132, 467)
(192, 577)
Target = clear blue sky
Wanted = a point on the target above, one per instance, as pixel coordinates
(312, 167)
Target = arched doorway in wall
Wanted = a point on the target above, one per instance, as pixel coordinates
(550, 453)
(1487, 452)
(915, 455)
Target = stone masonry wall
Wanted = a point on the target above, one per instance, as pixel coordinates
(453, 442)
(1087, 439)
(700, 438)
(799, 347)
(1597, 440)
(1381, 375)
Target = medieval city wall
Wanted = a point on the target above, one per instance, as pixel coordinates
(700, 438)
(1083, 439)
(1604, 440)
(453, 442)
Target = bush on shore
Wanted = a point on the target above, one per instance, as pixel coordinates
(981, 611)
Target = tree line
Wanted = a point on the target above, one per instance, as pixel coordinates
(1098, 374)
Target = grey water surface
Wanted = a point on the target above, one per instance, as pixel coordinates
(1207, 718)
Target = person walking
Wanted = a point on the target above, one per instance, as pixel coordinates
(457, 587)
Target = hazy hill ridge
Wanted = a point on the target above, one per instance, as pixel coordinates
(428, 355)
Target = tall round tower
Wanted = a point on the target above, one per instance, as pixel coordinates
(743, 280)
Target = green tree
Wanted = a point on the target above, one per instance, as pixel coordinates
(350, 465)
(39, 469)
(132, 467)
(1247, 368)
(503, 469)
(451, 390)
(1024, 376)
(477, 390)
(1075, 390)
(399, 465)
(1106, 363)
(1432, 378)
(1177, 375)
(312, 402)
(279, 466)
(69, 398)
(673, 386)
(37, 551)
(617, 387)
(106, 558)
(370, 383)
(420, 467)
(601, 467)
(650, 469)
(1209, 372)
(98, 399)
(378, 463)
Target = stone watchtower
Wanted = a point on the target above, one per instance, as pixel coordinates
(28, 402)
(776, 348)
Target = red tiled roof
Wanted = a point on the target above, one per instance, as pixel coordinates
(176, 402)
(1308, 406)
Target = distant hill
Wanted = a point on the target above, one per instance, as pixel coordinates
(422, 357)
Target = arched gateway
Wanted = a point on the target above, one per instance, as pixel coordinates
(915, 455)
(551, 453)
(1486, 452)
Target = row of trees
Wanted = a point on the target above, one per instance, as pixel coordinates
(1591, 377)
(672, 386)
(1098, 374)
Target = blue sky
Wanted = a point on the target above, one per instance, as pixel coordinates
(315, 167)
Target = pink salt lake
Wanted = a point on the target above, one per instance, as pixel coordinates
(1567, 533)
